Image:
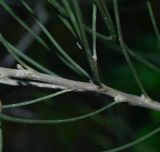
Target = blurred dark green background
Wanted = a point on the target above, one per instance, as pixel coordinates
(114, 127)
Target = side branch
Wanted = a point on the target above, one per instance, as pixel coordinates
(49, 81)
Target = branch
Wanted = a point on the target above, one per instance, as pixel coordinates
(49, 81)
(14, 82)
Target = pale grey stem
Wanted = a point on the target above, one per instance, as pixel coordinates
(41, 78)
(15, 82)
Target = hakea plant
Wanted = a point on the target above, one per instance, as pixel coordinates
(70, 14)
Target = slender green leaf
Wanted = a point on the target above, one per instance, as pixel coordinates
(91, 61)
(141, 59)
(22, 23)
(16, 52)
(124, 49)
(67, 24)
(117, 48)
(63, 15)
(81, 27)
(25, 103)
(99, 35)
(1, 138)
(135, 142)
(73, 119)
(73, 67)
(8, 47)
(59, 7)
(102, 6)
(72, 18)
(71, 63)
(153, 20)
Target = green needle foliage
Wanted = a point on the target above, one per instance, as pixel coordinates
(151, 14)
(31, 121)
(106, 16)
(91, 42)
(72, 64)
(16, 52)
(25, 103)
(1, 139)
(124, 50)
(22, 23)
(133, 143)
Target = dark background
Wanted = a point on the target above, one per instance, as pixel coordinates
(114, 127)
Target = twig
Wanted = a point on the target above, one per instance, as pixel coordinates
(119, 96)
(14, 82)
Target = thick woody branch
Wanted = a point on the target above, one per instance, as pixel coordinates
(48, 81)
